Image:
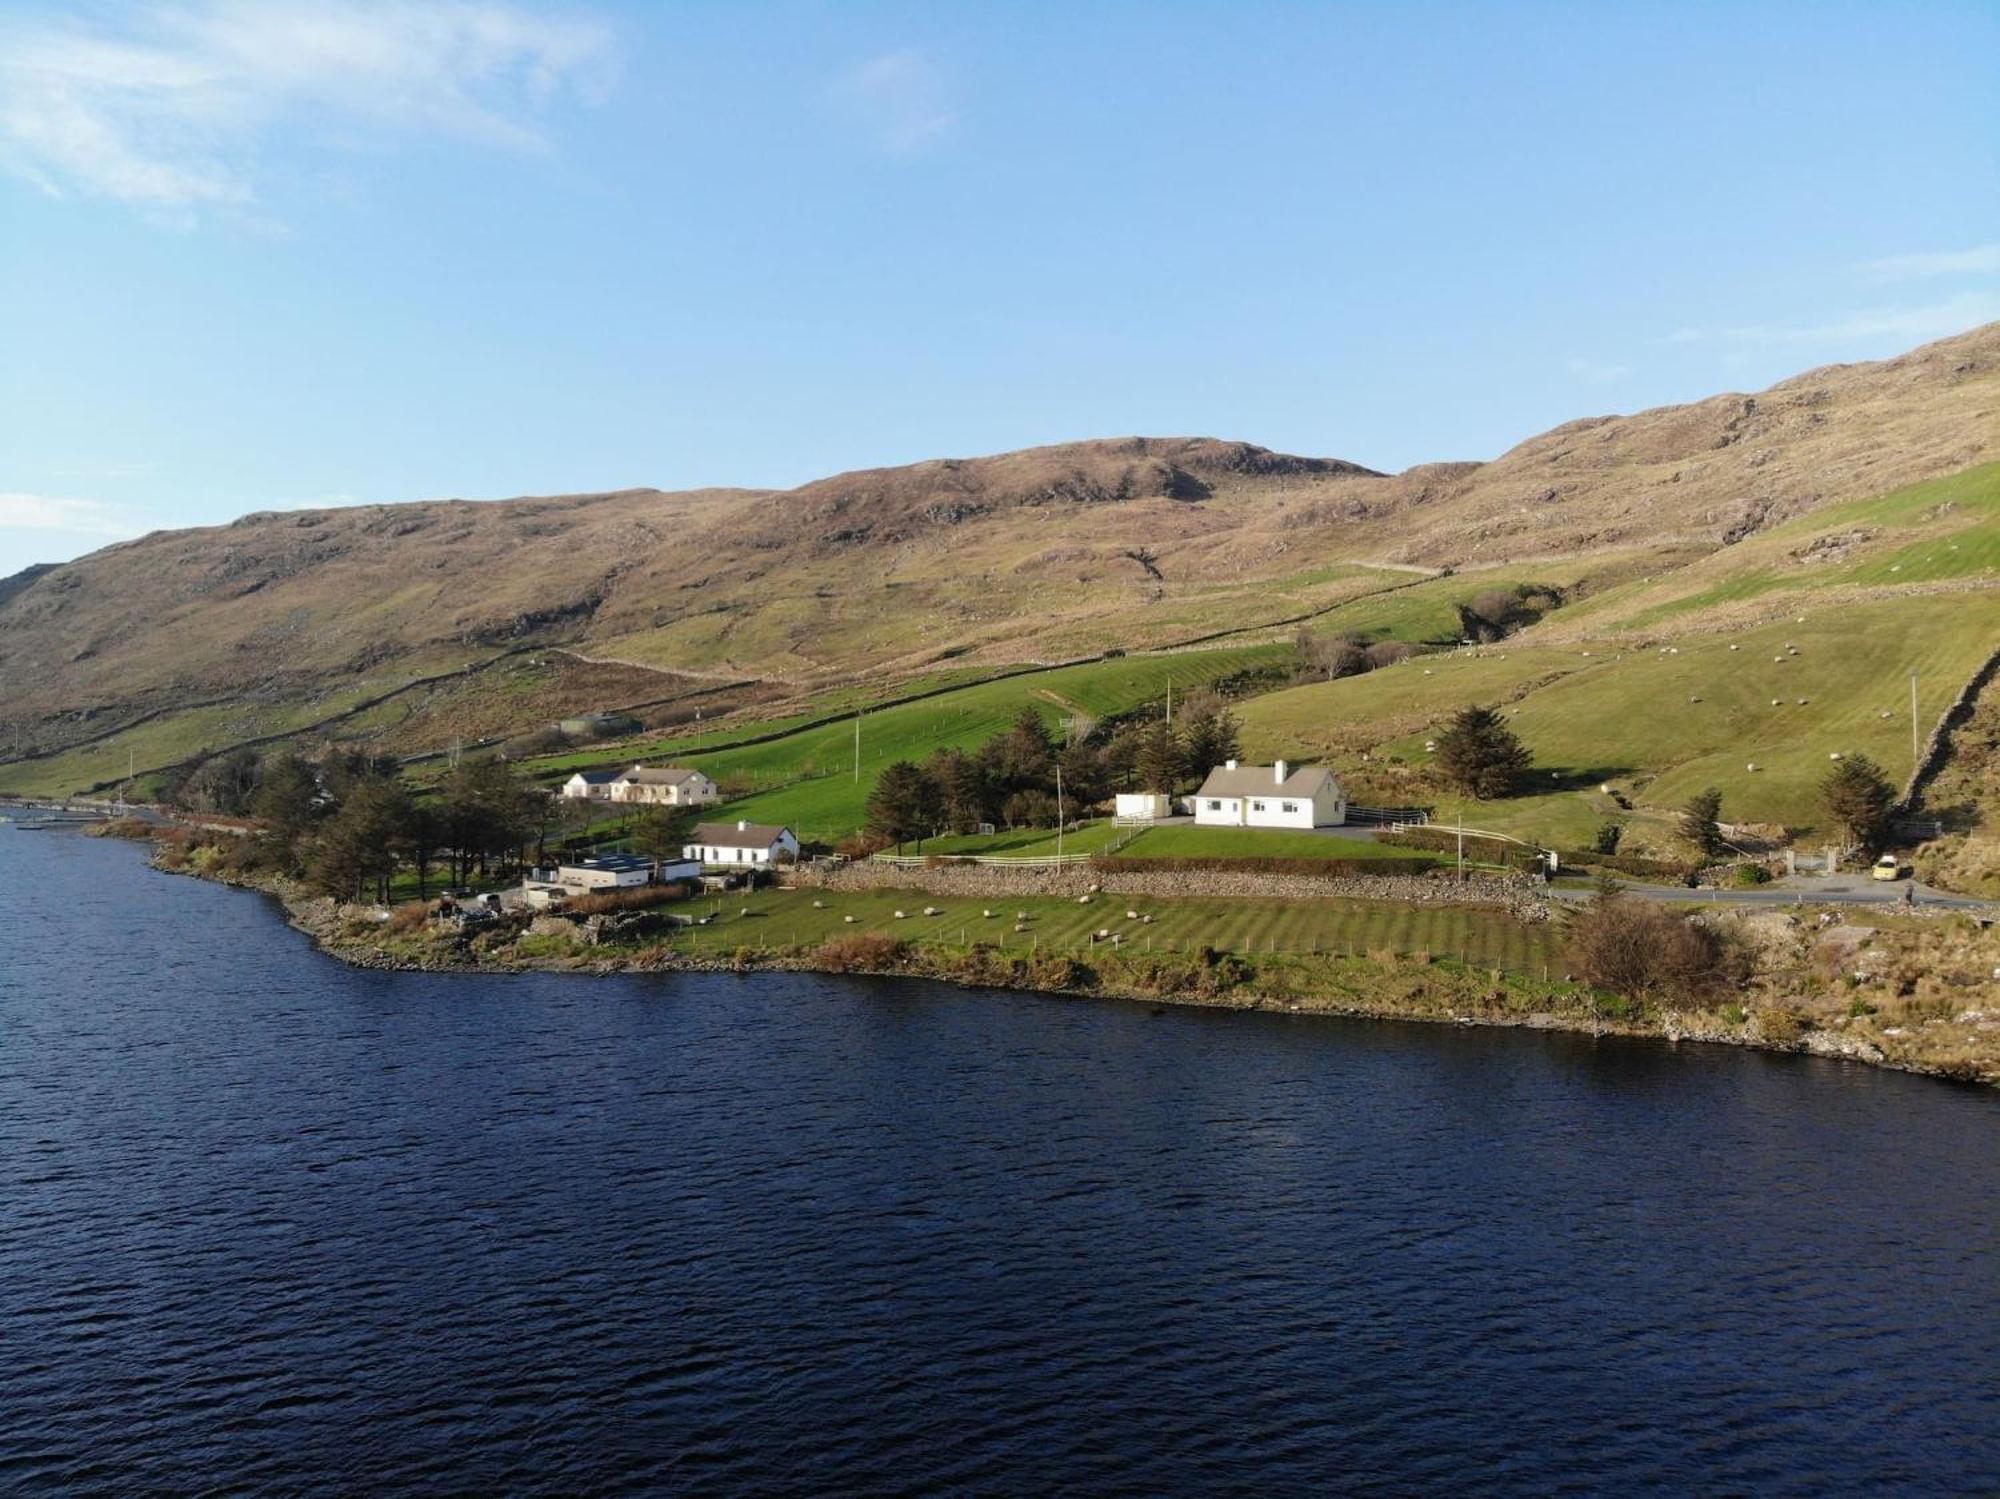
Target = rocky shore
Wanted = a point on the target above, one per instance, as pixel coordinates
(1937, 1014)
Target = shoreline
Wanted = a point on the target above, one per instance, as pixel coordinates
(1373, 987)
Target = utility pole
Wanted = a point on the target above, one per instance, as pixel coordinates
(857, 746)
(1916, 753)
(1059, 814)
(1461, 845)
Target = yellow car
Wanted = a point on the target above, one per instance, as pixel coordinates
(1887, 868)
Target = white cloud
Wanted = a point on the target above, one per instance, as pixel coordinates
(904, 98)
(168, 112)
(1978, 261)
(1597, 371)
(1912, 324)
(41, 512)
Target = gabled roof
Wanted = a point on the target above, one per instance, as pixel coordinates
(596, 777)
(1262, 780)
(729, 835)
(609, 863)
(665, 775)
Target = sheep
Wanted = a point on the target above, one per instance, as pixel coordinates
(1776, 701)
(1020, 915)
(900, 916)
(932, 911)
(988, 914)
(1131, 915)
(1695, 698)
(1803, 701)
(1736, 647)
(1145, 921)
(1833, 754)
(1751, 767)
(819, 905)
(1083, 900)
(848, 919)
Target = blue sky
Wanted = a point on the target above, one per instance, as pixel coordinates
(259, 256)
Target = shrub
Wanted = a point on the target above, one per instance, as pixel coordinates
(1750, 873)
(1608, 837)
(608, 902)
(860, 952)
(408, 917)
(1645, 951)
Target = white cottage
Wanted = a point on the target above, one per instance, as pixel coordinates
(741, 845)
(1269, 796)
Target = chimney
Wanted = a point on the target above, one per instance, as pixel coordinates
(1280, 768)
(1228, 764)
(743, 825)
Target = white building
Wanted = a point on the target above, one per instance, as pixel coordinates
(619, 872)
(605, 872)
(1269, 796)
(741, 845)
(1142, 806)
(662, 786)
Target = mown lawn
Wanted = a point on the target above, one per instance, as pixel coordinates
(1087, 838)
(1186, 841)
(787, 918)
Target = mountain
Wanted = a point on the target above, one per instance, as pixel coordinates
(1041, 554)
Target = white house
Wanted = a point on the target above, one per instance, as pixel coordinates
(741, 845)
(662, 786)
(1142, 806)
(589, 786)
(1269, 796)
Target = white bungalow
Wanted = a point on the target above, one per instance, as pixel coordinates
(667, 786)
(1269, 796)
(741, 845)
(664, 786)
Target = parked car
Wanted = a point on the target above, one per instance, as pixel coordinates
(1888, 867)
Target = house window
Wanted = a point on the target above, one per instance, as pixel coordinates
(1289, 806)
(1256, 806)
(1215, 806)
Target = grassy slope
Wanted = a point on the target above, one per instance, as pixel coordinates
(1624, 715)
(821, 799)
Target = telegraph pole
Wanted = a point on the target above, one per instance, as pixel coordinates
(857, 746)
(1059, 814)
(1916, 753)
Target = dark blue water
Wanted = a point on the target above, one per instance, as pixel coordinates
(271, 1224)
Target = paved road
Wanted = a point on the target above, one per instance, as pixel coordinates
(1835, 891)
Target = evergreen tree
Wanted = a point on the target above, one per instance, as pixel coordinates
(1161, 759)
(905, 804)
(357, 846)
(1083, 778)
(1700, 823)
(660, 833)
(1857, 797)
(962, 787)
(287, 796)
(1479, 754)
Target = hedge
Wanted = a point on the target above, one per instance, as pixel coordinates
(1117, 864)
(1513, 855)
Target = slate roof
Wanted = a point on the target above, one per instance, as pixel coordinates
(598, 777)
(666, 775)
(729, 835)
(610, 863)
(1262, 780)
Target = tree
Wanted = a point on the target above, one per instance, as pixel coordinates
(1211, 739)
(1332, 653)
(287, 795)
(1857, 797)
(358, 844)
(1700, 824)
(1083, 778)
(905, 804)
(1388, 653)
(223, 783)
(1161, 760)
(963, 789)
(660, 833)
(1030, 809)
(484, 809)
(1479, 754)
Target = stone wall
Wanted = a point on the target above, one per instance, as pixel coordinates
(1520, 896)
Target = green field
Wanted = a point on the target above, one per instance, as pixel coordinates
(1190, 842)
(786, 918)
(1664, 721)
(818, 795)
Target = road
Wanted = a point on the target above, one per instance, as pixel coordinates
(1832, 891)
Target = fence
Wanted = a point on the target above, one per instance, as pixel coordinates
(1014, 861)
(1389, 817)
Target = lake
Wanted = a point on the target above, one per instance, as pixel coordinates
(268, 1223)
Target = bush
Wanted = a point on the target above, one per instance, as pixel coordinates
(1645, 951)
(638, 898)
(860, 952)
(408, 917)
(1608, 838)
(1748, 874)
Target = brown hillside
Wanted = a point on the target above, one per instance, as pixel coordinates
(1049, 551)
